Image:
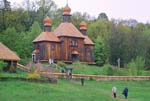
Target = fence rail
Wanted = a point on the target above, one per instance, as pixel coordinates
(98, 77)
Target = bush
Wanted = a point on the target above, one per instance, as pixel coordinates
(136, 66)
(61, 64)
(25, 61)
(108, 69)
(34, 75)
(80, 66)
(2, 64)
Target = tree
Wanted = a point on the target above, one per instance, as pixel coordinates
(9, 37)
(117, 45)
(4, 7)
(102, 16)
(100, 52)
(136, 66)
(146, 46)
(46, 7)
(77, 17)
(26, 40)
(100, 28)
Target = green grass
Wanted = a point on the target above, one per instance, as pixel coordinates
(18, 73)
(93, 70)
(72, 91)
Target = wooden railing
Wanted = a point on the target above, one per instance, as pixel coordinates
(22, 67)
(98, 77)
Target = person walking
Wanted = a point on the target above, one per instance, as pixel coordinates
(82, 81)
(114, 91)
(125, 92)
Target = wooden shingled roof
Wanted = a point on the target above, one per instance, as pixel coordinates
(7, 54)
(68, 29)
(47, 36)
(88, 41)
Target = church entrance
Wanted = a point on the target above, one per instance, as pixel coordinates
(75, 56)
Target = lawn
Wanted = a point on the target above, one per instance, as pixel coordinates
(72, 91)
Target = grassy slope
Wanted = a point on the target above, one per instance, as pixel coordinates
(95, 70)
(72, 91)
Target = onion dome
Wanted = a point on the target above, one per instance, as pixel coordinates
(47, 21)
(67, 10)
(83, 25)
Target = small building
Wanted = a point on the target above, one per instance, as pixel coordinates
(66, 43)
(9, 57)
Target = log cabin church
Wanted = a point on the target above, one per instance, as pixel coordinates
(66, 43)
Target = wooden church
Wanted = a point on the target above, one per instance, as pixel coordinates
(66, 43)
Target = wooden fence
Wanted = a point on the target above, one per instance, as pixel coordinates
(98, 77)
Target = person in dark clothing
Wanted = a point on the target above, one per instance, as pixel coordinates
(125, 92)
(82, 81)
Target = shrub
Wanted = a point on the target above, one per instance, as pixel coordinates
(34, 75)
(25, 61)
(61, 64)
(80, 66)
(2, 64)
(108, 70)
(136, 66)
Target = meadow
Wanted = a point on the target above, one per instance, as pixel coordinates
(16, 90)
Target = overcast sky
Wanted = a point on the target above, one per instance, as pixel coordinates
(118, 9)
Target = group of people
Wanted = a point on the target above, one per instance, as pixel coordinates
(125, 92)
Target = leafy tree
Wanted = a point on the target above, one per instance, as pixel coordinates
(27, 38)
(100, 51)
(9, 37)
(77, 17)
(100, 28)
(136, 66)
(116, 42)
(102, 16)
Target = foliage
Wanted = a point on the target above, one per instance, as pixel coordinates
(100, 51)
(108, 69)
(136, 66)
(61, 64)
(102, 16)
(117, 45)
(34, 75)
(2, 64)
(20, 25)
(80, 65)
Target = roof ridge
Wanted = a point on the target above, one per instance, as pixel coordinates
(68, 29)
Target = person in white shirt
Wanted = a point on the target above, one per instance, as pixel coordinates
(114, 91)
(50, 61)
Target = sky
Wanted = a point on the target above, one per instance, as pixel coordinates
(118, 9)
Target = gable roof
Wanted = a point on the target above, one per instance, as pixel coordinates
(68, 29)
(46, 36)
(7, 54)
(88, 41)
